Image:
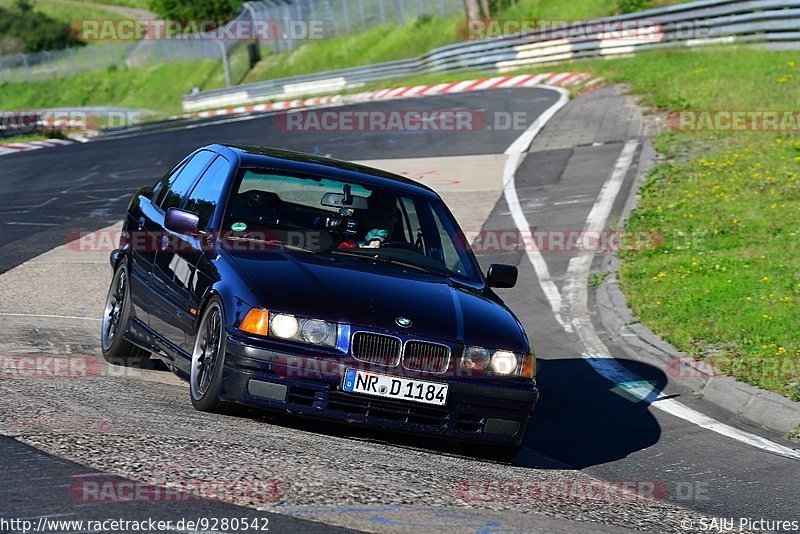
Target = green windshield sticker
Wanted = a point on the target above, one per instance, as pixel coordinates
(238, 227)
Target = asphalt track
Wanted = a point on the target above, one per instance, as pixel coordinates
(582, 427)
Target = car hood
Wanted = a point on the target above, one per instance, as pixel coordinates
(364, 293)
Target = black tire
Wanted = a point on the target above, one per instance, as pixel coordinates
(208, 359)
(116, 315)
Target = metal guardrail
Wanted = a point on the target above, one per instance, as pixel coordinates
(771, 23)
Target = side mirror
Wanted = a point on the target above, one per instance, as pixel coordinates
(182, 222)
(500, 275)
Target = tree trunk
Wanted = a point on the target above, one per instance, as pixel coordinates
(473, 9)
(485, 8)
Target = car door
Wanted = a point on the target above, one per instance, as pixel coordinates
(163, 317)
(175, 271)
(142, 234)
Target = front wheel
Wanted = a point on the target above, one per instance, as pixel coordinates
(208, 359)
(116, 314)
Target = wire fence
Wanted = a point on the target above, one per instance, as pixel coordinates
(291, 23)
(343, 17)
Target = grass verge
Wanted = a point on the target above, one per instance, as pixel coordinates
(157, 87)
(724, 286)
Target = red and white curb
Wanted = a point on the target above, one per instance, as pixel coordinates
(11, 148)
(572, 80)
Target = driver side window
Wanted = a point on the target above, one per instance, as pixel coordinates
(206, 194)
(179, 183)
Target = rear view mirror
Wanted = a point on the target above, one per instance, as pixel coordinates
(182, 222)
(502, 276)
(337, 200)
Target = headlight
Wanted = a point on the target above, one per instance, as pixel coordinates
(284, 326)
(318, 332)
(289, 327)
(504, 362)
(499, 362)
(476, 358)
(311, 331)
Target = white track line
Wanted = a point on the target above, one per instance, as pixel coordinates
(513, 157)
(576, 290)
(45, 316)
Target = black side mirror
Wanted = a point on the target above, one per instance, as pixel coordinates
(182, 222)
(500, 275)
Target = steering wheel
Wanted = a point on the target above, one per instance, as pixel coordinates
(405, 245)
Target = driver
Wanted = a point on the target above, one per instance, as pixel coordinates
(379, 219)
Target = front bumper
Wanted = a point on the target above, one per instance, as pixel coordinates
(311, 386)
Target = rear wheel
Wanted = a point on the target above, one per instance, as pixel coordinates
(208, 358)
(116, 314)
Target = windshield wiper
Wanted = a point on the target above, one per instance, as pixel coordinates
(273, 243)
(390, 261)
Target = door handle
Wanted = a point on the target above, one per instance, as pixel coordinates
(141, 223)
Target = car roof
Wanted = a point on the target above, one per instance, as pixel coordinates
(267, 157)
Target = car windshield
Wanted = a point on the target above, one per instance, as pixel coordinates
(325, 215)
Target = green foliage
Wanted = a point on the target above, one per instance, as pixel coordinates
(33, 31)
(219, 10)
(631, 6)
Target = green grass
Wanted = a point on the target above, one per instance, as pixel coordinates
(376, 45)
(140, 4)
(157, 87)
(27, 137)
(68, 10)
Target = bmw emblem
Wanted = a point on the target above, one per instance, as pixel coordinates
(403, 322)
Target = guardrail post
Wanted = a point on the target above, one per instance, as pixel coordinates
(346, 14)
(252, 11)
(287, 21)
(27, 68)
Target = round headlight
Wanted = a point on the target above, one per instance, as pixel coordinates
(476, 358)
(317, 332)
(504, 362)
(284, 326)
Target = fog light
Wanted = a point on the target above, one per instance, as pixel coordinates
(504, 362)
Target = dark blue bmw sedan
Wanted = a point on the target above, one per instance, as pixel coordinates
(321, 288)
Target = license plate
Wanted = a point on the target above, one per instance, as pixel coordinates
(356, 381)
